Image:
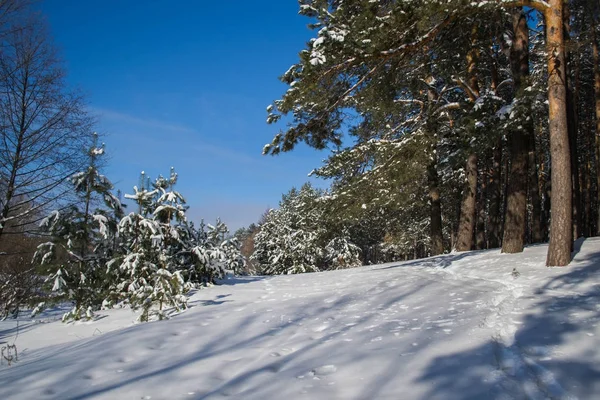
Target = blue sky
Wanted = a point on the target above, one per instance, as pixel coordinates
(185, 83)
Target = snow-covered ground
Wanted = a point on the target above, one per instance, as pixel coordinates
(459, 326)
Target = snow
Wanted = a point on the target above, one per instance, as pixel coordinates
(505, 111)
(460, 326)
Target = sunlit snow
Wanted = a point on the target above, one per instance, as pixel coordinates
(476, 325)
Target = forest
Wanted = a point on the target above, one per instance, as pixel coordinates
(450, 126)
(445, 246)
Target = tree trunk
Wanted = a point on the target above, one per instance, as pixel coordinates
(516, 198)
(572, 124)
(516, 203)
(494, 190)
(574, 157)
(559, 250)
(437, 242)
(480, 237)
(467, 212)
(547, 187)
(596, 58)
(587, 200)
(537, 235)
(537, 232)
(468, 209)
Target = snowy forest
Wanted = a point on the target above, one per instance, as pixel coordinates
(451, 126)
(446, 245)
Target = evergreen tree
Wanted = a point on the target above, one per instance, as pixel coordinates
(432, 76)
(299, 237)
(85, 234)
(161, 255)
(147, 272)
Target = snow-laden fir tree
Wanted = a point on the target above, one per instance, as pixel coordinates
(162, 255)
(211, 252)
(83, 238)
(297, 237)
(341, 253)
(147, 273)
(287, 240)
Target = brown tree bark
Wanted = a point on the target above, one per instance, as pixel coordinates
(467, 213)
(574, 157)
(480, 237)
(572, 123)
(516, 204)
(596, 59)
(494, 190)
(516, 201)
(587, 199)
(537, 235)
(559, 250)
(468, 210)
(437, 241)
(547, 188)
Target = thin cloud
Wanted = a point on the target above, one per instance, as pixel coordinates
(198, 147)
(115, 116)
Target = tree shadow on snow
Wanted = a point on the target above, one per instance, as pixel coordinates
(242, 336)
(441, 261)
(9, 335)
(562, 316)
(489, 371)
(239, 280)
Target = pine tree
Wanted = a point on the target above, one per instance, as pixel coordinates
(85, 233)
(392, 75)
(300, 236)
(147, 272)
(162, 256)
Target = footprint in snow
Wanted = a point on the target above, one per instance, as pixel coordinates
(283, 352)
(323, 370)
(320, 328)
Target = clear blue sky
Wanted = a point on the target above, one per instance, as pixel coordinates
(185, 83)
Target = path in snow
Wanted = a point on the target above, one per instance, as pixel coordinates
(458, 326)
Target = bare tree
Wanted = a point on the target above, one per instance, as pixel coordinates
(44, 128)
(20, 283)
